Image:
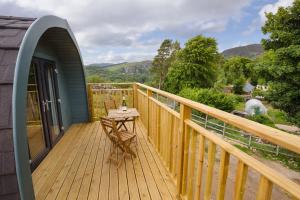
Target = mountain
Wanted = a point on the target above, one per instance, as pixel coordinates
(99, 65)
(121, 72)
(250, 51)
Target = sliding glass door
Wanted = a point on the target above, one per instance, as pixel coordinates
(44, 124)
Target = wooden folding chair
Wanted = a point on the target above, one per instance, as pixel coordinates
(111, 104)
(121, 139)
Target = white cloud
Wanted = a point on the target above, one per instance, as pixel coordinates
(272, 8)
(123, 23)
(268, 8)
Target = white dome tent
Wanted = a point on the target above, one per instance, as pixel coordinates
(255, 107)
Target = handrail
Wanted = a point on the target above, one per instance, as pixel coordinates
(266, 171)
(281, 138)
(183, 144)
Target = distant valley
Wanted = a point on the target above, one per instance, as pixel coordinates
(127, 71)
(139, 71)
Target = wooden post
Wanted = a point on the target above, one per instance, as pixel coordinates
(135, 95)
(200, 166)
(192, 165)
(149, 94)
(210, 170)
(90, 102)
(223, 173)
(264, 189)
(185, 113)
(240, 180)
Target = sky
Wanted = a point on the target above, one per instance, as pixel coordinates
(113, 31)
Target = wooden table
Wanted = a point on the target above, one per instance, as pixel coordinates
(119, 114)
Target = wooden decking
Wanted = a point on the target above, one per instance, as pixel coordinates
(77, 168)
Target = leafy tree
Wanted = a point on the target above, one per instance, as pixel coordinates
(237, 66)
(281, 64)
(194, 66)
(95, 79)
(162, 60)
(238, 85)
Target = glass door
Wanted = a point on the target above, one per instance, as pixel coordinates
(38, 143)
(52, 101)
(44, 122)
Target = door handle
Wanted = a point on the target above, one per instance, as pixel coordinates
(45, 106)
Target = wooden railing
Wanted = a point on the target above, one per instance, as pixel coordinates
(189, 151)
(199, 160)
(99, 92)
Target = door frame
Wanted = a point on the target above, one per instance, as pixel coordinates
(41, 66)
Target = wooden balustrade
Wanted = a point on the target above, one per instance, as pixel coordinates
(189, 151)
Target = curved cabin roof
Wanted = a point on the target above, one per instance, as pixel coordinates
(20, 40)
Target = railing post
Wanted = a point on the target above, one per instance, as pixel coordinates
(135, 95)
(149, 94)
(185, 113)
(90, 103)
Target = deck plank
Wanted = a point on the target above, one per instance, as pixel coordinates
(162, 169)
(64, 190)
(87, 177)
(96, 179)
(78, 169)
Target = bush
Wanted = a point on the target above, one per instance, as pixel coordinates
(262, 119)
(258, 92)
(278, 116)
(238, 85)
(211, 97)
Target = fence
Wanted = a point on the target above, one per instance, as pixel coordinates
(189, 150)
(99, 92)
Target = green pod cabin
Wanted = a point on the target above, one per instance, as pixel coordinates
(42, 93)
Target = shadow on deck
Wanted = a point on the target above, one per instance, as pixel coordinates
(77, 168)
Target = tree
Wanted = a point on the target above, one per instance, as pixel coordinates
(194, 66)
(238, 85)
(236, 67)
(95, 79)
(281, 66)
(162, 60)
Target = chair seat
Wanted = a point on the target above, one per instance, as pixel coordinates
(126, 135)
(122, 119)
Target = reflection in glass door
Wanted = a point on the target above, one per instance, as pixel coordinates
(52, 101)
(44, 122)
(37, 143)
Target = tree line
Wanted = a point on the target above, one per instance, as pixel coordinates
(198, 65)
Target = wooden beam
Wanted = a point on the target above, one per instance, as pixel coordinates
(210, 170)
(200, 166)
(223, 173)
(240, 180)
(135, 95)
(185, 113)
(264, 189)
(281, 138)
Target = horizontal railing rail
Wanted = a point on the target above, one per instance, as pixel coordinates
(286, 140)
(191, 152)
(99, 92)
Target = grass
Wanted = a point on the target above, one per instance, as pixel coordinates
(291, 163)
(275, 115)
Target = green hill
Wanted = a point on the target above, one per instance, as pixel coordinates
(250, 51)
(121, 72)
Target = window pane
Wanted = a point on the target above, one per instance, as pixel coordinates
(35, 131)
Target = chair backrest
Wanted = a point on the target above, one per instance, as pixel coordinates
(109, 104)
(110, 128)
